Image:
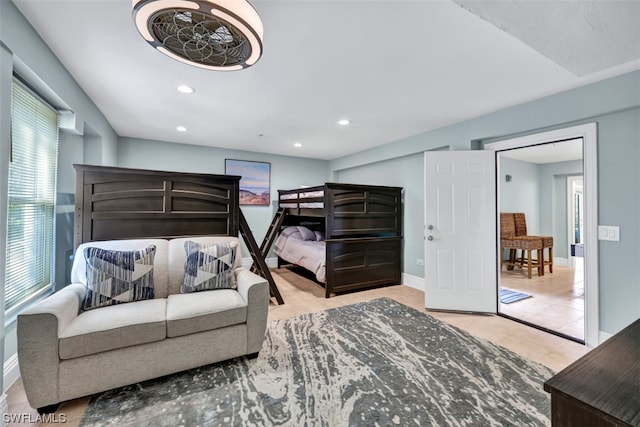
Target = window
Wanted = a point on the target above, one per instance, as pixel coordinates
(31, 205)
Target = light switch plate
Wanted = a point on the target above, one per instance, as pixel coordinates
(609, 232)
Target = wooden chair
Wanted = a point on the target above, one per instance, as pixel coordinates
(547, 241)
(527, 244)
(509, 239)
(507, 231)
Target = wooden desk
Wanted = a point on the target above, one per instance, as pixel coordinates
(603, 387)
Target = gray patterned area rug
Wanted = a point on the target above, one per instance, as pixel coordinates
(377, 363)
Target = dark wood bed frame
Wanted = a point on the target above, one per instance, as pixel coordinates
(363, 232)
(120, 203)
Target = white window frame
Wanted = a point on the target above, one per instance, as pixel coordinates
(41, 195)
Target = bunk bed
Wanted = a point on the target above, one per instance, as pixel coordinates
(357, 230)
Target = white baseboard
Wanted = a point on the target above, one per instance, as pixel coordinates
(562, 262)
(11, 372)
(603, 336)
(413, 281)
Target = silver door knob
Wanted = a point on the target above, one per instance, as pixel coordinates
(429, 238)
(429, 227)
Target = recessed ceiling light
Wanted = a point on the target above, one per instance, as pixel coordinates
(297, 144)
(181, 128)
(343, 122)
(186, 89)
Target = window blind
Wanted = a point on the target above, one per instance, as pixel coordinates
(32, 194)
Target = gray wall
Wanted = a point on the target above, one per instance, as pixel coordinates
(614, 104)
(5, 149)
(23, 52)
(522, 193)
(405, 172)
(70, 151)
(619, 204)
(540, 191)
(286, 172)
(553, 202)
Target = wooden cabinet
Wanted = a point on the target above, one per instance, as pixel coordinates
(603, 387)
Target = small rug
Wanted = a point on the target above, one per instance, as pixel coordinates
(377, 363)
(507, 296)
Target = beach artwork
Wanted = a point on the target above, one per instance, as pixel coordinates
(255, 182)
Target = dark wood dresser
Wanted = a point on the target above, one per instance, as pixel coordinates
(603, 387)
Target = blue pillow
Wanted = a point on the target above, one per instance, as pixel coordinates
(209, 266)
(116, 277)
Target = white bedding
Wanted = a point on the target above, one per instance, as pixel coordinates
(301, 246)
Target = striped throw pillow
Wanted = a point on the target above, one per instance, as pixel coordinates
(116, 277)
(209, 266)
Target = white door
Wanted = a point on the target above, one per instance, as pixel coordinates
(460, 234)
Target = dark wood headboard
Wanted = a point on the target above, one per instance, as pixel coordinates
(350, 210)
(120, 203)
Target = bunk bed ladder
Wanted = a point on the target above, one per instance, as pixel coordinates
(270, 237)
(258, 258)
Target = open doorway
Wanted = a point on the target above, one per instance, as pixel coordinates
(589, 135)
(541, 185)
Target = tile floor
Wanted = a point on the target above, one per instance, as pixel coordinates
(301, 295)
(557, 301)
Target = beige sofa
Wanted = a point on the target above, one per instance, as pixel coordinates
(65, 353)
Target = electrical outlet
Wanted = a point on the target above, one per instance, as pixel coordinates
(420, 261)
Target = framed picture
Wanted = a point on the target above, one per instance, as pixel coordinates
(255, 183)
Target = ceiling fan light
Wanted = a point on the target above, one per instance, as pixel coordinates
(211, 34)
(142, 12)
(253, 37)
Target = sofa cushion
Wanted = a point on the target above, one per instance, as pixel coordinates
(203, 311)
(160, 262)
(113, 327)
(116, 277)
(178, 257)
(209, 266)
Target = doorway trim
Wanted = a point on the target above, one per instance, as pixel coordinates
(571, 182)
(589, 134)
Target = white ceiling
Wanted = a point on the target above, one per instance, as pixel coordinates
(394, 68)
(583, 36)
(552, 152)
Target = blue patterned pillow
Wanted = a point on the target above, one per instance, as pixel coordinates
(209, 266)
(116, 277)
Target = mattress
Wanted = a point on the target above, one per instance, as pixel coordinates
(301, 246)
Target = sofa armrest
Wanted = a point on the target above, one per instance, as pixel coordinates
(255, 291)
(38, 330)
